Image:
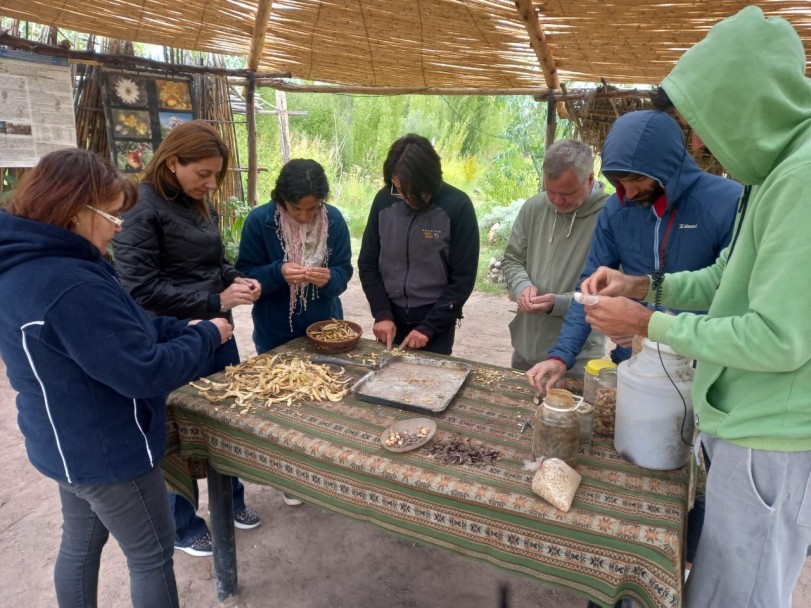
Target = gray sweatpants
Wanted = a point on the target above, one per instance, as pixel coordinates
(757, 529)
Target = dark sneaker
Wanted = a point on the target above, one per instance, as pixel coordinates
(247, 519)
(199, 548)
(291, 501)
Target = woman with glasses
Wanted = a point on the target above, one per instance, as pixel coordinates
(171, 259)
(92, 371)
(298, 248)
(420, 251)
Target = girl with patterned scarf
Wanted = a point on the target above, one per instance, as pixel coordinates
(298, 248)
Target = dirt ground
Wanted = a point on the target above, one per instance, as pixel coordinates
(300, 557)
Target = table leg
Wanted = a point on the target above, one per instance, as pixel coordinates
(221, 506)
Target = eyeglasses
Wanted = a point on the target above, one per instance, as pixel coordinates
(397, 193)
(115, 219)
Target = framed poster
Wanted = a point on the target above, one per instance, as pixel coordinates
(36, 107)
(141, 109)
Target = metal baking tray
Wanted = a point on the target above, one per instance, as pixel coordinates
(413, 383)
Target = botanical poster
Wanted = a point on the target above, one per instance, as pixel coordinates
(141, 109)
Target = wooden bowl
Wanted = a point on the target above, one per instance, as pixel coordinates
(340, 346)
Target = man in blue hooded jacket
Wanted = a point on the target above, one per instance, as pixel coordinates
(667, 215)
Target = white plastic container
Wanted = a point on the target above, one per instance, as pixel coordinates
(654, 420)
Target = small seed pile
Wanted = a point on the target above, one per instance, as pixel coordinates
(455, 450)
(403, 439)
(488, 377)
(273, 379)
(335, 331)
(605, 408)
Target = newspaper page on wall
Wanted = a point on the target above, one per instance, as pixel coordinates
(141, 109)
(36, 107)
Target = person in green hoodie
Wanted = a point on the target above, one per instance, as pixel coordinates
(547, 250)
(744, 92)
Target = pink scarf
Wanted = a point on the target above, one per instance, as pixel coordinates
(304, 244)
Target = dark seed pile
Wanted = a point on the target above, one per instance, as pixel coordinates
(456, 450)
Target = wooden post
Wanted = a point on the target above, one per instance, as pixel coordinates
(250, 121)
(551, 121)
(284, 125)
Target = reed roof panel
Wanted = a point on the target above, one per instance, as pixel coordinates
(419, 43)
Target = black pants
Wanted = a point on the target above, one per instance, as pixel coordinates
(406, 319)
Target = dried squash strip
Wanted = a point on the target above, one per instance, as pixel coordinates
(270, 379)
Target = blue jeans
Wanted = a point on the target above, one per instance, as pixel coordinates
(188, 525)
(135, 512)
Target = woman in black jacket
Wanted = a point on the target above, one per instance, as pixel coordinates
(170, 257)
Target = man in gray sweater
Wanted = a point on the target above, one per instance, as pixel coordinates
(547, 250)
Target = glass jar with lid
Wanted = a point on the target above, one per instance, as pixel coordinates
(590, 372)
(557, 428)
(605, 402)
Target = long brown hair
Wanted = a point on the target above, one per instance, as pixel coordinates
(63, 182)
(190, 142)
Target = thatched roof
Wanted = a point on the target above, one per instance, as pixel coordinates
(470, 44)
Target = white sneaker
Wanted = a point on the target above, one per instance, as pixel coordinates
(291, 501)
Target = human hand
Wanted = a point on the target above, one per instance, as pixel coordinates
(225, 328)
(414, 339)
(624, 341)
(619, 318)
(236, 294)
(551, 371)
(385, 331)
(254, 285)
(293, 273)
(317, 276)
(609, 282)
(542, 304)
(525, 298)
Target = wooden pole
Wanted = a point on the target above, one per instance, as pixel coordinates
(537, 40)
(284, 125)
(260, 29)
(540, 94)
(551, 121)
(250, 121)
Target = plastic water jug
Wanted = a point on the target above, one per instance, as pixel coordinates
(654, 419)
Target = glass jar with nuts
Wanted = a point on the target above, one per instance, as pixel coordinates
(605, 402)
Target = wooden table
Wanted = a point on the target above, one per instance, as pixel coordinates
(623, 537)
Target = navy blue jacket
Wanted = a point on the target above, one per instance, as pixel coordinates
(261, 257)
(688, 234)
(91, 368)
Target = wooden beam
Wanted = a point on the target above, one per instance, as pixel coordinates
(253, 163)
(281, 85)
(537, 39)
(260, 30)
(122, 61)
(537, 93)
(551, 121)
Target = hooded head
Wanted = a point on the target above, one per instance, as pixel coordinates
(650, 144)
(744, 91)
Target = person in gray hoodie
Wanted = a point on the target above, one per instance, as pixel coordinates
(547, 250)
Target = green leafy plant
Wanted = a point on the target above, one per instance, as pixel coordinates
(232, 218)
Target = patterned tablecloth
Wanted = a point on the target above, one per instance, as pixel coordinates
(623, 536)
